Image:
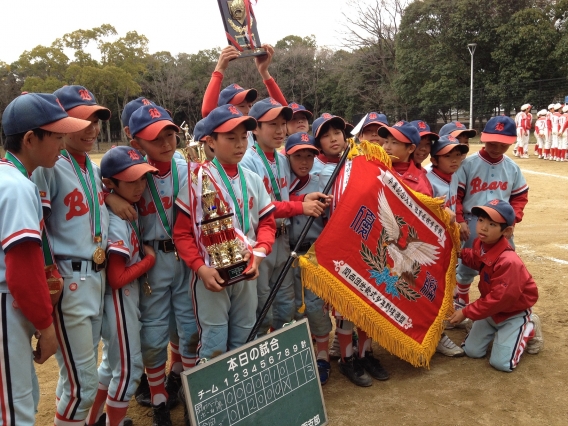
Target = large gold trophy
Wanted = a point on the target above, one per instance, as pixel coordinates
(241, 27)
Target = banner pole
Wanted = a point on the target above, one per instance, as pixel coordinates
(293, 254)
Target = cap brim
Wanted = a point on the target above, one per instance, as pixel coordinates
(85, 111)
(461, 147)
(296, 148)
(471, 133)
(227, 126)
(435, 136)
(135, 172)
(152, 131)
(374, 122)
(273, 113)
(493, 214)
(249, 95)
(495, 137)
(398, 135)
(66, 125)
(307, 113)
(338, 120)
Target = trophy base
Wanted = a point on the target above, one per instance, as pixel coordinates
(251, 54)
(233, 274)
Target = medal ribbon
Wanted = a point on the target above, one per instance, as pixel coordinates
(158, 201)
(134, 225)
(46, 247)
(242, 216)
(91, 194)
(273, 182)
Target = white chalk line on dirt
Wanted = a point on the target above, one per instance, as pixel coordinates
(527, 251)
(543, 174)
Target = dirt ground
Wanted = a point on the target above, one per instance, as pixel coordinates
(459, 391)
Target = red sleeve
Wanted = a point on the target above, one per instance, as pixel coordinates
(25, 276)
(549, 125)
(266, 232)
(459, 206)
(275, 92)
(518, 202)
(468, 259)
(186, 245)
(211, 96)
(506, 289)
(287, 208)
(118, 274)
(300, 197)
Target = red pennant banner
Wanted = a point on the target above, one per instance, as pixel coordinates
(386, 259)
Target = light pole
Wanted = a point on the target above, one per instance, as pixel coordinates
(471, 47)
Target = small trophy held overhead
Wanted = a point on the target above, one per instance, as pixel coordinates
(219, 237)
(241, 27)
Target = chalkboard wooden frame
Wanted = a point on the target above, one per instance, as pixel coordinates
(272, 380)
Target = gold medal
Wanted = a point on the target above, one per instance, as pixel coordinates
(54, 285)
(147, 288)
(99, 256)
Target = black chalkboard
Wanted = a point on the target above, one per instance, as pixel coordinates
(272, 380)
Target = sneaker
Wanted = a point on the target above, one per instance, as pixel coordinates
(335, 351)
(355, 372)
(515, 152)
(525, 156)
(373, 366)
(102, 421)
(448, 348)
(324, 370)
(161, 415)
(468, 325)
(536, 344)
(173, 383)
(142, 394)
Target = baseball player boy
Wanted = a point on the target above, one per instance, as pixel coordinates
(563, 136)
(300, 121)
(225, 314)
(154, 132)
(301, 152)
(274, 170)
(548, 140)
(556, 137)
(427, 138)
(508, 292)
(35, 125)
(370, 129)
(484, 176)
(77, 223)
(541, 132)
(124, 173)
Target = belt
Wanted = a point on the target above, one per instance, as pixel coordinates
(167, 246)
(76, 265)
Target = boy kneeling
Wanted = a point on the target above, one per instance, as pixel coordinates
(507, 289)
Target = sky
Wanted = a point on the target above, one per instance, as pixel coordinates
(175, 26)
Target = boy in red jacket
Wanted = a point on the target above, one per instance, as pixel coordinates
(508, 291)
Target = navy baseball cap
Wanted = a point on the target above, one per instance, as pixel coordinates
(299, 141)
(446, 143)
(200, 130)
(225, 118)
(81, 103)
(375, 118)
(402, 131)
(424, 129)
(132, 106)
(268, 109)
(125, 163)
(500, 129)
(327, 118)
(39, 111)
(297, 108)
(455, 128)
(234, 94)
(498, 210)
(148, 121)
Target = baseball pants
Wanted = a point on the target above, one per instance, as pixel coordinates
(169, 280)
(283, 308)
(78, 324)
(19, 386)
(225, 318)
(509, 340)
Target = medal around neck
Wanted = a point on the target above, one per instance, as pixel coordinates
(241, 27)
(219, 237)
